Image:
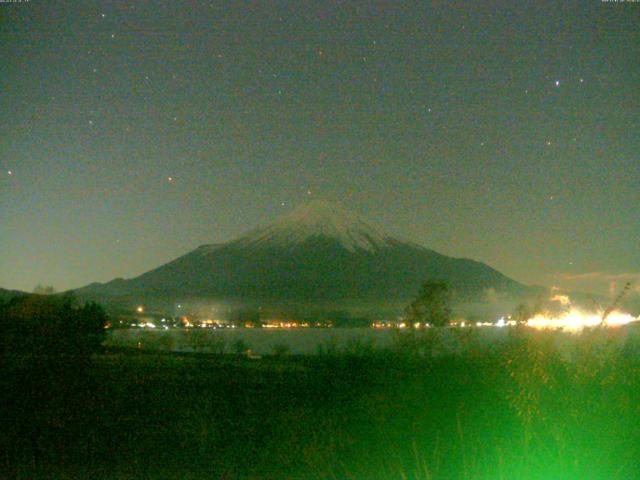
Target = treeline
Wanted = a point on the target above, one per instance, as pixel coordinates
(50, 326)
(47, 382)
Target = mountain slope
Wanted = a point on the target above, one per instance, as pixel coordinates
(9, 294)
(317, 253)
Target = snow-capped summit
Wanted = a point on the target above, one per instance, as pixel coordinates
(316, 219)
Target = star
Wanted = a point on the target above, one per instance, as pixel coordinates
(557, 83)
(170, 179)
(103, 15)
(113, 35)
(10, 173)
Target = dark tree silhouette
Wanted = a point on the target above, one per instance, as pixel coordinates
(44, 289)
(522, 313)
(47, 381)
(431, 305)
(51, 326)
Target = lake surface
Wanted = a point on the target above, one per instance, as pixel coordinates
(308, 341)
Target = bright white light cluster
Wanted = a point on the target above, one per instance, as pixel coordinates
(575, 320)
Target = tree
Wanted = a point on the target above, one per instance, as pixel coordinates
(51, 326)
(525, 311)
(44, 289)
(431, 305)
(47, 384)
(522, 313)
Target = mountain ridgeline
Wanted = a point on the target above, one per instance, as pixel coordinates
(318, 253)
(6, 295)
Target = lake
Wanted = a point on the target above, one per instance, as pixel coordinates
(309, 341)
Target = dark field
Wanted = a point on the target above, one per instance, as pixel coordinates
(523, 411)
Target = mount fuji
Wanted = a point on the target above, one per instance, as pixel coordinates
(319, 253)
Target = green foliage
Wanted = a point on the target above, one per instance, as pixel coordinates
(413, 344)
(240, 347)
(359, 347)
(197, 339)
(431, 305)
(345, 319)
(53, 326)
(524, 409)
(217, 344)
(280, 350)
(46, 350)
(328, 348)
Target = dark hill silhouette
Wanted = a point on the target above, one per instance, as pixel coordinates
(9, 294)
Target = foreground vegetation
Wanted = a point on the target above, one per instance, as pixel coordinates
(524, 410)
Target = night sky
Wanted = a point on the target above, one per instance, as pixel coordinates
(133, 132)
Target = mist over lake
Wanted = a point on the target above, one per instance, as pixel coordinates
(311, 341)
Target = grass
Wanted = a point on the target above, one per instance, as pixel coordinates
(527, 409)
